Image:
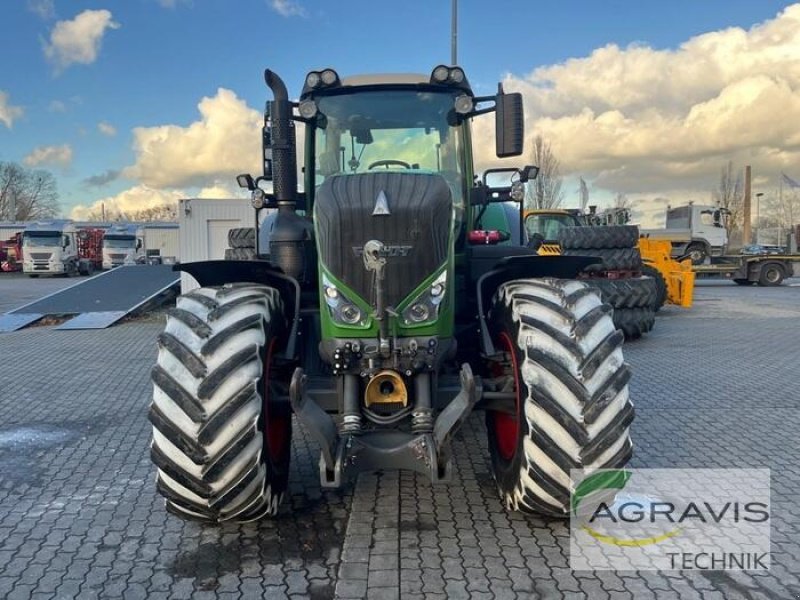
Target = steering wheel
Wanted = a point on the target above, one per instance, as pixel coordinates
(388, 163)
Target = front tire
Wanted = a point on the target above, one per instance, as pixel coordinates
(559, 344)
(220, 443)
(772, 274)
(698, 253)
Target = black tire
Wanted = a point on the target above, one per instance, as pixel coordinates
(612, 259)
(221, 446)
(638, 292)
(601, 236)
(743, 282)
(564, 358)
(697, 252)
(771, 275)
(240, 254)
(634, 322)
(242, 237)
(33, 276)
(661, 285)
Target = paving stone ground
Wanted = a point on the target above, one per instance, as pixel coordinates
(715, 386)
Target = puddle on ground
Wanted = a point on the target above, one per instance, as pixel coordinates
(34, 437)
(306, 534)
(21, 448)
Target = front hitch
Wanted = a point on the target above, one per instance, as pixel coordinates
(345, 455)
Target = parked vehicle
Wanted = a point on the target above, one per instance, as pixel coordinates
(695, 230)
(51, 248)
(762, 269)
(760, 249)
(123, 243)
(11, 254)
(385, 306)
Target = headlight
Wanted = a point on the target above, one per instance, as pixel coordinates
(342, 310)
(425, 307)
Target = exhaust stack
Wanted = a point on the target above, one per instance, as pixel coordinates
(291, 245)
(280, 142)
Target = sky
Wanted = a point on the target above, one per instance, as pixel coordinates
(134, 103)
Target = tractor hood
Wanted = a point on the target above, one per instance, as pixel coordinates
(410, 213)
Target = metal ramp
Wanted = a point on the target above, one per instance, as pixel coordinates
(98, 302)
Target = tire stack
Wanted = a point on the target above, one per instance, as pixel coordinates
(619, 276)
(242, 244)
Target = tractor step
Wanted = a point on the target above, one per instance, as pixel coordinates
(344, 455)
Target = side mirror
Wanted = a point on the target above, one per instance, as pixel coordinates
(139, 244)
(528, 172)
(65, 242)
(509, 124)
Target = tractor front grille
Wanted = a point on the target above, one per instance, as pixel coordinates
(41, 256)
(415, 231)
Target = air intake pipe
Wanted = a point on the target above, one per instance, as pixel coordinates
(279, 140)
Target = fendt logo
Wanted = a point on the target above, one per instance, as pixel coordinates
(389, 251)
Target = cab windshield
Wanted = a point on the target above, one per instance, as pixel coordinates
(398, 130)
(548, 226)
(46, 240)
(118, 242)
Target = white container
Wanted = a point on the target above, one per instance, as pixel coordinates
(163, 237)
(203, 230)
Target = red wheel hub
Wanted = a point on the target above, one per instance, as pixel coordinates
(277, 423)
(506, 426)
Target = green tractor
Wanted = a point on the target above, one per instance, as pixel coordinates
(381, 306)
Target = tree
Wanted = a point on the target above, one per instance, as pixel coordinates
(545, 191)
(164, 212)
(622, 201)
(730, 195)
(26, 194)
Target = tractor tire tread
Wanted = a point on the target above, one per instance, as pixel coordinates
(208, 443)
(598, 237)
(576, 410)
(242, 237)
(612, 259)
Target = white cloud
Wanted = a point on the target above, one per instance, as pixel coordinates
(107, 129)
(288, 8)
(44, 9)
(638, 119)
(78, 41)
(8, 112)
(60, 156)
(225, 141)
(222, 190)
(137, 198)
(57, 106)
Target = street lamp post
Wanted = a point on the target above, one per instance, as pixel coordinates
(758, 217)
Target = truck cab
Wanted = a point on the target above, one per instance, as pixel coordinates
(123, 244)
(694, 230)
(50, 248)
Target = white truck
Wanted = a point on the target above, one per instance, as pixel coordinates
(51, 248)
(695, 230)
(123, 243)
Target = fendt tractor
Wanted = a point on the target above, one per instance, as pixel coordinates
(386, 302)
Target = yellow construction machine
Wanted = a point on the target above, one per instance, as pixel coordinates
(674, 277)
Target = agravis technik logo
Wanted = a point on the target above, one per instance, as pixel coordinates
(670, 519)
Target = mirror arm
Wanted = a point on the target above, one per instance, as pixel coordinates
(482, 111)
